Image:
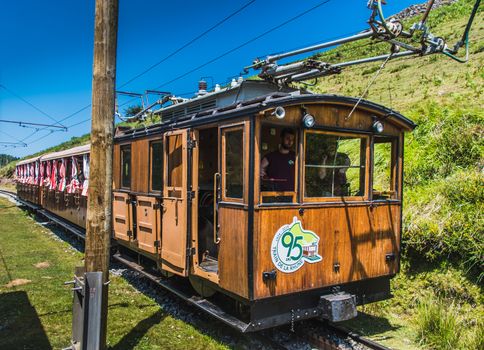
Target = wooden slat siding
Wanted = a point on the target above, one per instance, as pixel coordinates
(232, 257)
(333, 116)
(356, 237)
(116, 167)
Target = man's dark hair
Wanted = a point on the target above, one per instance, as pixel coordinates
(286, 131)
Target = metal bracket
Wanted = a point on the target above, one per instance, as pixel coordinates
(191, 251)
(190, 195)
(191, 144)
(269, 275)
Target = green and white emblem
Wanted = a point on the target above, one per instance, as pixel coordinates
(292, 246)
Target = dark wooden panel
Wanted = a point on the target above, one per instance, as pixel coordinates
(233, 250)
(357, 238)
(335, 116)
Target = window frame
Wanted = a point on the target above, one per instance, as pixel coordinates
(395, 168)
(366, 184)
(121, 155)
(295, 194)
(150, 163)
(222, 132)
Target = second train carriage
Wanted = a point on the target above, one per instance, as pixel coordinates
(192, 194)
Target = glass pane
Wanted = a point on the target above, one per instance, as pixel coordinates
(278, 160)
(126, 166)
(234, 164)
(175, 158)
(382, 170)
(334, 165)
(156, 166)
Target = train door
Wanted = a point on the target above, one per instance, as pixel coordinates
(148, 223)
(177, 194)
(122, 216)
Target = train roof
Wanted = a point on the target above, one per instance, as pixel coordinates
(68, 152)
(27, 161)
(249, 97)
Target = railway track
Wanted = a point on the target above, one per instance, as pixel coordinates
(307, 334)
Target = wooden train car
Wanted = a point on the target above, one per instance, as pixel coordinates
(285, 201)
(57, 182)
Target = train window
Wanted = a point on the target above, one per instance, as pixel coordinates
(126, 166)
(335, 165)
(278, 164)
(156, 171)
(384, 168)
(233, 163)
(174, 145)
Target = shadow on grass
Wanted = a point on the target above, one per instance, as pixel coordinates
(369, 325)
(20, 326)
(134, 336)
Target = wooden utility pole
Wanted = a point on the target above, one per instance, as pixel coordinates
(99, 202)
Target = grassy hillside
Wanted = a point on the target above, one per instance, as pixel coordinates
(438, 296)
(445, 154)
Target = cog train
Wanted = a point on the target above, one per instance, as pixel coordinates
(195, 198)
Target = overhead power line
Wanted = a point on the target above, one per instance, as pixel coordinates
(187, 44)
(154, 65)
(206, 63)
(22, 123)
(245, 43)
(13, 137)
(30, 104)
(242, 45)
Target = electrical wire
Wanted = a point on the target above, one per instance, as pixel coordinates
(30, 104)
(187, 44)
(153, 66)
(244, 44)
(13, 137)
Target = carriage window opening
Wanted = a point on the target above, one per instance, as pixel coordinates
(126, 166)
(234, 163)
(156, 173)
(278, 164)
(175, 165)
(384, 168)
(334, 165)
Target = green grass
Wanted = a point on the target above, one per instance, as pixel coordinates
(431, 303)
(438, 295)
(37, 315)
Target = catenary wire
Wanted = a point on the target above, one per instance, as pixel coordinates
(30, 104)
(244, 44)
(152, 66)
(187, 44)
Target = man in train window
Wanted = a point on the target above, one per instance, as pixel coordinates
(277, 167)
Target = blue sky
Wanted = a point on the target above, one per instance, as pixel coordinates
(47, 49)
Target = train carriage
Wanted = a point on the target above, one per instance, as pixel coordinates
(189, 194)
(192, 195)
